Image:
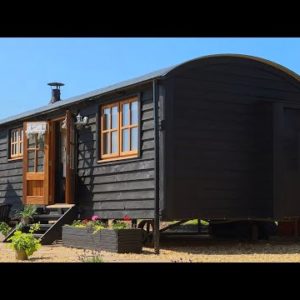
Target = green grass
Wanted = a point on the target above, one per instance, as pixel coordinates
(195, 222)
(93, 259)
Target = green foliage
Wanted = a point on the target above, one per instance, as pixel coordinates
(28, 211)
(120, 225)
(25, 241)
(95, 257)
(78, 224)
(4, 228)
(97, 228)
(93, 226)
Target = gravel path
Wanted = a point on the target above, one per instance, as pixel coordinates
(209, 251)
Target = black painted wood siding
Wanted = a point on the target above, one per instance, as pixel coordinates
(220, 150)
(123, 187)
(11, 174)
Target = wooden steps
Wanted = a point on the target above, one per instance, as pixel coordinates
(51, 219)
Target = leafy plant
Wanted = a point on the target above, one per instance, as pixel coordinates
(25, 241)
(78, 224)
(120, 225)
(95, 257)
(4, 228)
(90, 225)
(28, 211)
(98, 227)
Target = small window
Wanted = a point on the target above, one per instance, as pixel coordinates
(16, 143)
(119, 129)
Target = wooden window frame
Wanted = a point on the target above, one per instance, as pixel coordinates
(19, 142)
(119, 155)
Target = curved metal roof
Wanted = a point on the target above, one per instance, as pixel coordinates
(139, 80)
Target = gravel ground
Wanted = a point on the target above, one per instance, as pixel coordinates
(200, 251)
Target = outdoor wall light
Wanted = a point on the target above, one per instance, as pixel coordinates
(81, 121)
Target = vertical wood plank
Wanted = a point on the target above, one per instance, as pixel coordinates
(46, 167)
(69, 197)
(25, 164)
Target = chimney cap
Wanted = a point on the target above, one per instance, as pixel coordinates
(56, 84)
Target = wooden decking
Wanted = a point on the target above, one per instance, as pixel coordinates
(60, 205)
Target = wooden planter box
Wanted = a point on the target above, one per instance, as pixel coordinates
(120, 241)
(80, 238)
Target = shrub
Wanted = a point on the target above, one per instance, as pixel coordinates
(120, 225)
(90, 225)
(25, 241)
(4, 228)
(27, 212)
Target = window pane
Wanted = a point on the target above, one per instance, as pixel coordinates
(21, 141)
(21, 148)
(134, 139)
(114, 142)
(134, 112)
(106, 143)
(40, 163)
(125, 116)
(106, 118)
(31, 159)
(114, 117)
(125, 140)
(17, 148)
(32, 141)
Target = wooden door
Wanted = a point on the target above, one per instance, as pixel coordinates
(36, 167)
(70, 156)
(290, 205)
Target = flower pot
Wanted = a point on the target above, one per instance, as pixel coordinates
(21, 255)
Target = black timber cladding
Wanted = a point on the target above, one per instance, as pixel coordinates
(112, 189)
(118, 188)
(220, 140)
(216, 143)
(11, 174)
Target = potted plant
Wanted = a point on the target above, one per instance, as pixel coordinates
(4, 230)
(25, 244)
(27, 214)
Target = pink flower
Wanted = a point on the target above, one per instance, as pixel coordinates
(126, 218)
(95, 218)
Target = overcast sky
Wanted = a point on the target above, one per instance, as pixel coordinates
(86, 64)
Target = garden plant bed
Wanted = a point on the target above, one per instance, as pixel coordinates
(113, 240)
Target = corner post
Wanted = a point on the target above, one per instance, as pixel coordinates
(156, 169)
